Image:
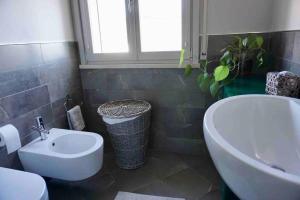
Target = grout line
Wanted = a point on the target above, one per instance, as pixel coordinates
(31, 111)
(40, 86)
(37, 42)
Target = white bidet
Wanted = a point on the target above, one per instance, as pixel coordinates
(65, 154)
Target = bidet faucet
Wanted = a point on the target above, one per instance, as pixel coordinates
(40, 127)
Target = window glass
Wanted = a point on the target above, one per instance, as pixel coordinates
(108, 26)
(160, 25)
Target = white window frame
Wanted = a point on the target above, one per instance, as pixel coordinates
(190, 40)
(90, 56)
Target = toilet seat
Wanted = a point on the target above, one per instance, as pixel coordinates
(16, 185)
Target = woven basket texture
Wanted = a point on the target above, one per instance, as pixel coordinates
(130, 138)
(123, 108)
(282, 85)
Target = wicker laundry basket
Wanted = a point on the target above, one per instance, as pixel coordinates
(283, 84)
(128, 123)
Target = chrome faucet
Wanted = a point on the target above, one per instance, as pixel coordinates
(40, 127)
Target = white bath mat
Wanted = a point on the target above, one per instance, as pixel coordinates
(133, 196)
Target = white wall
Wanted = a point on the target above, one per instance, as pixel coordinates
(30, 21)
(242, 16)
(286, 15)
(239, 16)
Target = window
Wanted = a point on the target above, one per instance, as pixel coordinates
(135, 31)
(160, 27)
(108, 26)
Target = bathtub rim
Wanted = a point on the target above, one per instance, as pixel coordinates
(210, 129)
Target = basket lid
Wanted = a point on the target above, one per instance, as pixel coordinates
(124, 108)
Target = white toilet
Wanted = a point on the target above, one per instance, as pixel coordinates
(16, 185)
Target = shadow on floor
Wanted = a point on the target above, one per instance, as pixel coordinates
(164, 174)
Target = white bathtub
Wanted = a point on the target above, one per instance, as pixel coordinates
(254, 141)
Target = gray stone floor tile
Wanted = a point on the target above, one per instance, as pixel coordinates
(109, 164)
(130, 180)
(159, 188)
(100, 182)
(108, 194)
(134, 196)
(204, 166)
(164, 174)
(166, 164)
(215, 195)
(190, 183)
(64, 191)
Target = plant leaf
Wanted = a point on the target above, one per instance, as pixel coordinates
(259, 55)
(204, 62)
(205, 82)
(200, 78)
(260, 59)
(259, 41)
(238, 41)
(188, 70)
(214, 88)
(245, 41)
(260, 62)
(221, 72)
(225, 58)
(252, 41)
(181, 61)
(203, 65)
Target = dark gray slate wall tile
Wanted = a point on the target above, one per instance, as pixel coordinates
(24, 122)
(178, 104)
(285, 48)
(179, 122)
(294, 67)
(34, 80)
(137, 79)
(296, 50)
(218, 42)
(60, 88)
(16, 81)
(162, 98)
(10, 161)
(93, 79)
(59, 70)
(15, 105)
(96, 124)
(283, 44)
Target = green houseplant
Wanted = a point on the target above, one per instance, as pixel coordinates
(237, 59)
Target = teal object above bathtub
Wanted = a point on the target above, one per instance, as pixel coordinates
(245, 85)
